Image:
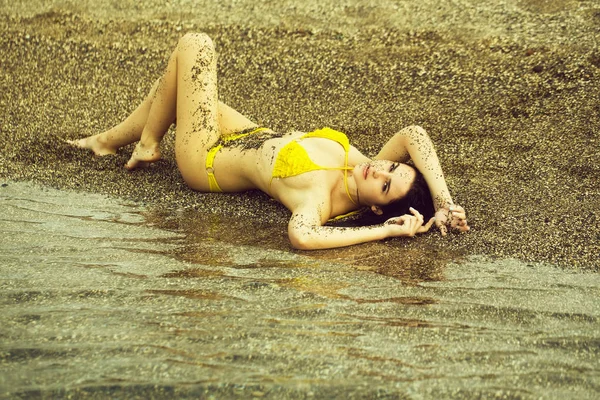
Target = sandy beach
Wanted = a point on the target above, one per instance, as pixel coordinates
(509, 92)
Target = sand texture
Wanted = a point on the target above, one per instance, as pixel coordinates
(509, 92)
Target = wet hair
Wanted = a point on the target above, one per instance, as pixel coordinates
(417, 197)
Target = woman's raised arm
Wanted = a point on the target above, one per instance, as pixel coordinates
(413, 142)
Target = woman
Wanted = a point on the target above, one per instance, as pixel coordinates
(317, 175)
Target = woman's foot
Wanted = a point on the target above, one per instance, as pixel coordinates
(93, 143)
(142, 155)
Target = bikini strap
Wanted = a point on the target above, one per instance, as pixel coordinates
(210, 171)
(346, 178)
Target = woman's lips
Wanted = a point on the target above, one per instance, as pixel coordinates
(366, 171)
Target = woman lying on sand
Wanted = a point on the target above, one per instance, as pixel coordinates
(316, 175)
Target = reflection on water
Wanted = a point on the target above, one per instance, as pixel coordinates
(206, 234)
(96, 302)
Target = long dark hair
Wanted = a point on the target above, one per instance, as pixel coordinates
(417, 197)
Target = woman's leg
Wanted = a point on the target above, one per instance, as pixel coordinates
(187, 90)
(160, 117)
(148, 123)
(128, 131)
(197, 107)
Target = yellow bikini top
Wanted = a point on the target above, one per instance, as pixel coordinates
(293, 159)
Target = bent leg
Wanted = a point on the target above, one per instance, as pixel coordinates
(160, 116)
(187, 90)
(197, 107)
(148, 123)
(127, 132)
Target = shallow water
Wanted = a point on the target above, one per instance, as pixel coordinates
(97, 300)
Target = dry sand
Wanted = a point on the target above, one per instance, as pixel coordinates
(509, 93)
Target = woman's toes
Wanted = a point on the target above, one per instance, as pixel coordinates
(131, 164)
(77, 143)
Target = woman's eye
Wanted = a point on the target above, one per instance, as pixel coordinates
(385, 186)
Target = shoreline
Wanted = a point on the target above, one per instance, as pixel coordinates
(96, 302)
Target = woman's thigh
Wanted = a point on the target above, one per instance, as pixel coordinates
(201, 118)
(232, 121)
(197, 107)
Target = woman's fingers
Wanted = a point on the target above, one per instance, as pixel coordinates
(441, 225)
(414, 224)
(462, 222)
(458, 218)
(416, 214)
(453, 218)
(459, 225)
(426, 227)
(458, 215)
(463, 228)
(417, 222)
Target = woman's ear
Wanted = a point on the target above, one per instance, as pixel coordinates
(377, 210)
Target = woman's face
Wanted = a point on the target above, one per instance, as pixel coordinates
(380, 182)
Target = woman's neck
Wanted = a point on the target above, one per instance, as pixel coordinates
(345, 196)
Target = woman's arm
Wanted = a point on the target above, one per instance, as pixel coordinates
(413, 142)
(306, 232)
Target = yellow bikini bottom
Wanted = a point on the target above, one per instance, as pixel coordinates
(210, 157)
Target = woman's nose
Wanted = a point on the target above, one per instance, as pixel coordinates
(377, 174)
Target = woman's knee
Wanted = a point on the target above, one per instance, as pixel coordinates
(414, 131)
(196, 42)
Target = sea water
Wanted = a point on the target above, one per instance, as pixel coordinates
(97, 299)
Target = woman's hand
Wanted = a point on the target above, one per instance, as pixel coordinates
(453, 216)
(408, 225)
